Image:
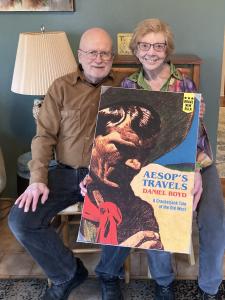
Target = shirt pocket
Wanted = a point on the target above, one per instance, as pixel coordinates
(70, 122)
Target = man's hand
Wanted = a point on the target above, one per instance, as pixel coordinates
(197, 192)
(30, 196)
(144, 239)
(83, 185)
(202, 108)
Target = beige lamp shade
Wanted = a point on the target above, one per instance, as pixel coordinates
(40, 59)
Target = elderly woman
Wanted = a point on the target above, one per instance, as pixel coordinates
(152, 43)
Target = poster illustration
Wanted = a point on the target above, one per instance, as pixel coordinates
(142, 170)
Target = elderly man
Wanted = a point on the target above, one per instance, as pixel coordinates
(66, 125)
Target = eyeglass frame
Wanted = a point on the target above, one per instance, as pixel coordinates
(101, 53)
(153, 46)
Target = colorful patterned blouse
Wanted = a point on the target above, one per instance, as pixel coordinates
(177, 82)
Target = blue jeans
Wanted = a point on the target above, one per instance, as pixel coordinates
(211, 224)
(33, 230)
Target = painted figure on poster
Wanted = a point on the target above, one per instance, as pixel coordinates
(123, 136)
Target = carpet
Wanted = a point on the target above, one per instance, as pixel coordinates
(220, 152)
(33, 289)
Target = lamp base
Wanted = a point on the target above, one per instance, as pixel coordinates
(36, 107)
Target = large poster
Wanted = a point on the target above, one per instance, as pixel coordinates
(142, 170)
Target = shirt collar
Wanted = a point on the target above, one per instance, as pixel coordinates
(138, 77)
(80, 75)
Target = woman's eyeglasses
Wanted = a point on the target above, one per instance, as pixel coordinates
(159, 47)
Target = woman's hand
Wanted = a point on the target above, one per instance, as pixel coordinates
(197, 192)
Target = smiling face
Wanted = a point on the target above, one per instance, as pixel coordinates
(95, 69)
(151, 59)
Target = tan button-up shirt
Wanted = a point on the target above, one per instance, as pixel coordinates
(66, 123)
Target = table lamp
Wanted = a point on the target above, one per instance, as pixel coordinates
(41, 58)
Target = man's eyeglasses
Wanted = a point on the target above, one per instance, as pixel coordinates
(159, 47)
(92, 54)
